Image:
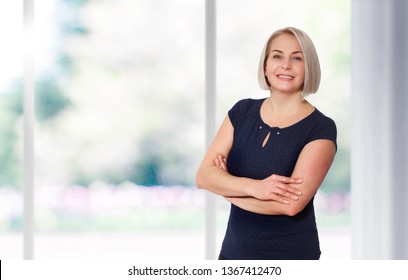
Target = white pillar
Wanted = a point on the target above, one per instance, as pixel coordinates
(379, 100)
(210, 90)
(29, 90)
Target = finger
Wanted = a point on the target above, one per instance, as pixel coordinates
(280, 199)
(283, 193)
(289, 189)
(222, 162)
(287, 180)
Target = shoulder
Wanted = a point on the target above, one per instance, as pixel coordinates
(243, 108)
(323, 127)
(324, 121)
(246, 104)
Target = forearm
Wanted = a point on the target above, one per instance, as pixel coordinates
(265, 207)
(312, 166)
(217, 181)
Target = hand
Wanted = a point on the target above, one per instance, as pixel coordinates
(221, 162)
(277, 188)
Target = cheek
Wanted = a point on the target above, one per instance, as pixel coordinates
(268, 69)
(301, 72)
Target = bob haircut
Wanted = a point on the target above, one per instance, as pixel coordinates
(312, 65)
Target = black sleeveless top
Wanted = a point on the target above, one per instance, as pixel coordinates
(256, 236)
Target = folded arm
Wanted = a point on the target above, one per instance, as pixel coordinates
(215, 179)
(312, 166)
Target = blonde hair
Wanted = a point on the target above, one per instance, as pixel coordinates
(312, 65)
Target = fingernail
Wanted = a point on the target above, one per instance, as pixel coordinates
(286, 202)
(295, 197)
(299, 193)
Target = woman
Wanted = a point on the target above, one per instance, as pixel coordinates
(270, 156)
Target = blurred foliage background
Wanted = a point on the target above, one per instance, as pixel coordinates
(120, 105)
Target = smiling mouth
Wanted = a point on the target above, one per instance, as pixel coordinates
(285, 77)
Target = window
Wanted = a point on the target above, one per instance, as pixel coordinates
(119, 126)
(11, 200)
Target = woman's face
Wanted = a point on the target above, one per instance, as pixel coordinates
(285, 67)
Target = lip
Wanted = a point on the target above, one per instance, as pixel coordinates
(285, 77)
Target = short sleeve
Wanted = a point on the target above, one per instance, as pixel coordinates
(325, 128)
(238, 111)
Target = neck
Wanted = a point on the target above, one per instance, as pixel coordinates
(286, 104)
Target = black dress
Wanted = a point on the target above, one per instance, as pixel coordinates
(256, 236)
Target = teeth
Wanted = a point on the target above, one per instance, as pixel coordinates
(285, 77)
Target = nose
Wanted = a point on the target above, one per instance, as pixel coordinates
(286, 64)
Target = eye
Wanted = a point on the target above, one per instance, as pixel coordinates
(276, 56)
(297, 58)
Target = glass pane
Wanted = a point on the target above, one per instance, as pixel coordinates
(120, 129)
(242, 32)
(11, 199)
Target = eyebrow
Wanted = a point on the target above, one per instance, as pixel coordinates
(292, 52)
